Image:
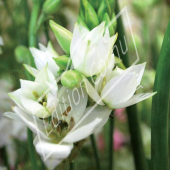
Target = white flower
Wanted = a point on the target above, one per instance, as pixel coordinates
(43, 57)
(116, 88)
(71, 122)
(91, 50)
(9, 129)
(38, 97)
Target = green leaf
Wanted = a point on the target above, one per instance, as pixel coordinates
(160, 108)
(63, 36)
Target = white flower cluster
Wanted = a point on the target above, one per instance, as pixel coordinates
(65, 106)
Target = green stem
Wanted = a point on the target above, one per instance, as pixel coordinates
(46, 31)
(95, 152)
(31, 149)
(5, 157)
(71, 165)
(32, 43)
(160, 108)
(136, 138)
(33, 23)
(133, 117)
(111, 151)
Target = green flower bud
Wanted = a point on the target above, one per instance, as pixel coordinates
(63, 36)
(51, 6)
(119, 63)
(81, 22)
(22, 54)
(71, 79)
(107, 20)
(95, 4)
(104, 7)
(63, 62)
(112, 5)
(114, 24)
(91, 17)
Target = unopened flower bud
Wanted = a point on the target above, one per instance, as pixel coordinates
(63, 36)
(108, 24)
(104, 7)
(22, 54)
(95, 4)
(91, 17)
(63, 62)
(71, 79)
(51, 6)
(81, 22)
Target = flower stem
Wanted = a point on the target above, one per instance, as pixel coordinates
(111, 150)
(160, 109)
(133, 117)
(32, 43)
(71, 165)
(33, 23)
(95, 152)
(31, 150)
(5, 157)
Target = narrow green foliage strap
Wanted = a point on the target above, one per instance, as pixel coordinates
(160, 108)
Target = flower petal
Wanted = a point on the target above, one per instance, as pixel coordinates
(119, 89)
(36, 125)
(16, 97)
(53, 153)
(92, 92)
(133, 100)
(31, 70)
(94, 118)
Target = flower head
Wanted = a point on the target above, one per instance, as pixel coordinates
(91, 50)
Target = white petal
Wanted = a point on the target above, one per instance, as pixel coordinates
(42, 47)
(119, 89)
(93, 119)
(31, 70)
(36, 125)
(79, 32)
(16, 97)
(13, 116)
(117, 72)
(133, 100)
(45, 75)
(51, 51)
(39, 58)
(77, 100)
(54, 153)
(92, 92)
(138, 70)
(106, 73)
(90, 55)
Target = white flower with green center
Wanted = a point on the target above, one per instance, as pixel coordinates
(43, 57)
(70, 122)
(91, 50)
(116, 88)
(37, 97)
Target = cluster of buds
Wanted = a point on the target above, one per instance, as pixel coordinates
(92, 13)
